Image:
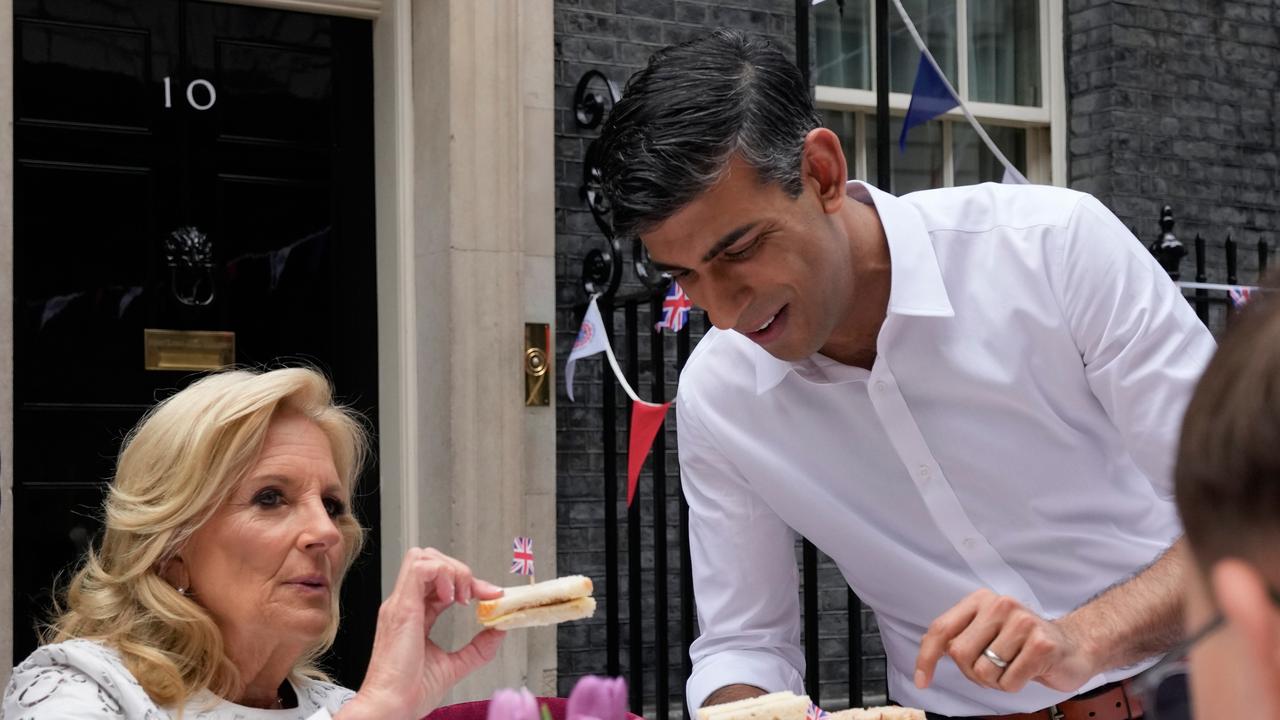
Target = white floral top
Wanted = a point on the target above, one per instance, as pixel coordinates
(86, 679)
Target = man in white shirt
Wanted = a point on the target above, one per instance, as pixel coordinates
(968, 398)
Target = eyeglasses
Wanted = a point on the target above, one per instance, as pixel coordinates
(1163, 686)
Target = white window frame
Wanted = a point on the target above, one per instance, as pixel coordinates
(1046, 125)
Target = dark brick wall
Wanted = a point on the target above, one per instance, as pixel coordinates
(1175, 102)
(617, 37)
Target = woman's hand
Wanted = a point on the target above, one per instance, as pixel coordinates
(409, 674)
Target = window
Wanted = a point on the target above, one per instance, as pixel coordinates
(1004, 57)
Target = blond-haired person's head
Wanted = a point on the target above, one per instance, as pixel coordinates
(228, 530)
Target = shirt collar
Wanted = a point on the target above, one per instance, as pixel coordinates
(916, 284)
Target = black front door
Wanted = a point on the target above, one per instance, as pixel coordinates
(184, 166)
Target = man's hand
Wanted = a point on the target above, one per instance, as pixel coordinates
(730, 693)
(1050, 653)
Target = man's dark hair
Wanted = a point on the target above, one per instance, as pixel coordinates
(688, 112)
(1228, 475)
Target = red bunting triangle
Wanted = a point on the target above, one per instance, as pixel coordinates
(646, 418)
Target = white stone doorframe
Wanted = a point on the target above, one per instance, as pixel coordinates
(463, 118)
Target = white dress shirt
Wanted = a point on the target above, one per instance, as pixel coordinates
(1016, 432)
(85, 679)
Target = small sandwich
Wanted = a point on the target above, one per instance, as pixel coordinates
(774, 706)
(544, 603)
(878, 713)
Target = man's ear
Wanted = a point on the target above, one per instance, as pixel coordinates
(1244, 596)
(823, 168)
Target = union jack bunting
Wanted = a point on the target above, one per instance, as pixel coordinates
(522, 556)
(1239, 295)
(816, 713)
(675, 309)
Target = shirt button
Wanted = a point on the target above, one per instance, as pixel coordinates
(969, 543)
(880, 386)
(923, 472)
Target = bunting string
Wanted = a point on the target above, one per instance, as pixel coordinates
(646, 417)
(1011, 172)
(1189, 285)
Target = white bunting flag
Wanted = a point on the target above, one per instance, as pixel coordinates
(591, 340)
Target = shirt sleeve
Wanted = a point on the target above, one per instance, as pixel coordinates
(58, 692)
(744, 574)
(1142, 345)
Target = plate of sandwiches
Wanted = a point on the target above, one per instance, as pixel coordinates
(546, 603)
(789, 706)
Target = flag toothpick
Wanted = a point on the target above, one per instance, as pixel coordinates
(522, 557)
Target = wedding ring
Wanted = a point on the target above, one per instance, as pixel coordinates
(995, 659)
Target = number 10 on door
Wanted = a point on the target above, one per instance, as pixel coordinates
(210, 95)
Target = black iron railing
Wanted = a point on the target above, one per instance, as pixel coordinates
(1170, 251)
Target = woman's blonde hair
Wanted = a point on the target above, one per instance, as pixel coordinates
(176, 468)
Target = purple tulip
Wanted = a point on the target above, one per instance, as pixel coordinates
(513, 705)
(598, 698)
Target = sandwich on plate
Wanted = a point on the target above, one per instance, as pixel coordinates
(774, 706)
(789, 706)
(878, 713)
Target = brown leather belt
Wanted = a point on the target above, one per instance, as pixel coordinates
(1115, 701)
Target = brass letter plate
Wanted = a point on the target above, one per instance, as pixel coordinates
(189, 349)
(537, 361)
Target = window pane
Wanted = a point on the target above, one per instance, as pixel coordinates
(1004, 51)
(936, 21)
(843, 38)
(974, 163)
(843, 125)
(920, 167)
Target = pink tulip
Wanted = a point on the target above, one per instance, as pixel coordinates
(598, 698)
(513, 705)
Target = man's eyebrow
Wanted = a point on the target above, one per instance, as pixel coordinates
(721, 245)
(729, 238)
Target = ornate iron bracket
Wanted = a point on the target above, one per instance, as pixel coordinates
(590, 107)
(592, 190)
(593, 99)
(646, 273)
(601, 268)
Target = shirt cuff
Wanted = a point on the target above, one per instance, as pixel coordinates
(765, 670)
(320, 714)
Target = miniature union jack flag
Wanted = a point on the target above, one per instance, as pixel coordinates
(816, 713)
(1239, 295)
(675, 309)
(522, 556)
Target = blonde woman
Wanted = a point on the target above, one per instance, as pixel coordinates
(228, 531)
